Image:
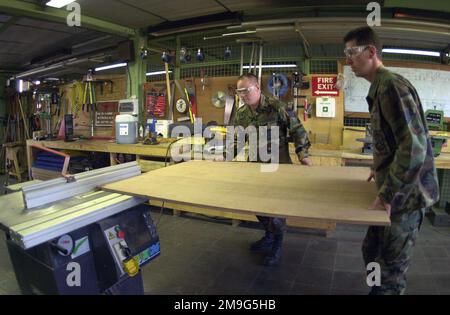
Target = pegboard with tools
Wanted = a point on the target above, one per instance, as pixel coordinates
(155, 104)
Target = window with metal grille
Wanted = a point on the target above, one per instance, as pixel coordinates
(320, 66)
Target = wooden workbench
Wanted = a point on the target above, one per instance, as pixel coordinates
(321, 156)
(441, 162)
(325, 157)
(324, 194)
(107, 146)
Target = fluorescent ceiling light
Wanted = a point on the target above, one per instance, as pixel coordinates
(59, 3)
(229, 34)
(272, 66)
(411, 52)
(117, 65)
(148, 74)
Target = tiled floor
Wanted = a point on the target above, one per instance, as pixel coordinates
(204, 256)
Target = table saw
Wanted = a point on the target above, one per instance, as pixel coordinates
(65, 236)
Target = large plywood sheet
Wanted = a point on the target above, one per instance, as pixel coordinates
(339, 194)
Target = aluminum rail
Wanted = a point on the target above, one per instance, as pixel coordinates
(41, 194)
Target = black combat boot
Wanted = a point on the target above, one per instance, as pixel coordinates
(275, 254)
(264, 244)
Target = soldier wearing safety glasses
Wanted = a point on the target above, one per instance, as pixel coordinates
(259, 110)
(403, 164)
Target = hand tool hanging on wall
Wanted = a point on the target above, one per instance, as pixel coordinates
(307, 111)
(169, 96)
(227, 53)
(167, 57)
(89, 98)
(200, 55)
(278, 85)
(191, 95)
(191, 115)
(296, 84)
(89, 91)
(57, 101)
(91, 105)
(77, 98)
(203, 79)
(172, 101)
(185, 55)
(48, 117)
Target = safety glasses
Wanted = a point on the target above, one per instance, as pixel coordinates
(245, 91)
(355, 50)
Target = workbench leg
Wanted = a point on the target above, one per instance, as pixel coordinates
(113, 159)
(138, 161)
(235, 222)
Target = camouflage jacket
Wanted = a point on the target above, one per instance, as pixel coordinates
(271, 112)
(404, 168)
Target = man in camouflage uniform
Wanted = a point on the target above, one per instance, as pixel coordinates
(260, 110)
(403, 164)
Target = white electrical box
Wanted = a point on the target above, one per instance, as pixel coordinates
(326, 107)
(162, 127)
(129, 106)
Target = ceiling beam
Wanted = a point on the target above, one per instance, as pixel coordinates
(35, 11)
(202, 23)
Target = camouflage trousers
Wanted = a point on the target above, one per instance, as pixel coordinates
(276, 226)
(392, 247)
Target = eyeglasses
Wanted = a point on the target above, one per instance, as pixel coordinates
(355, 50)
(246, 90)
